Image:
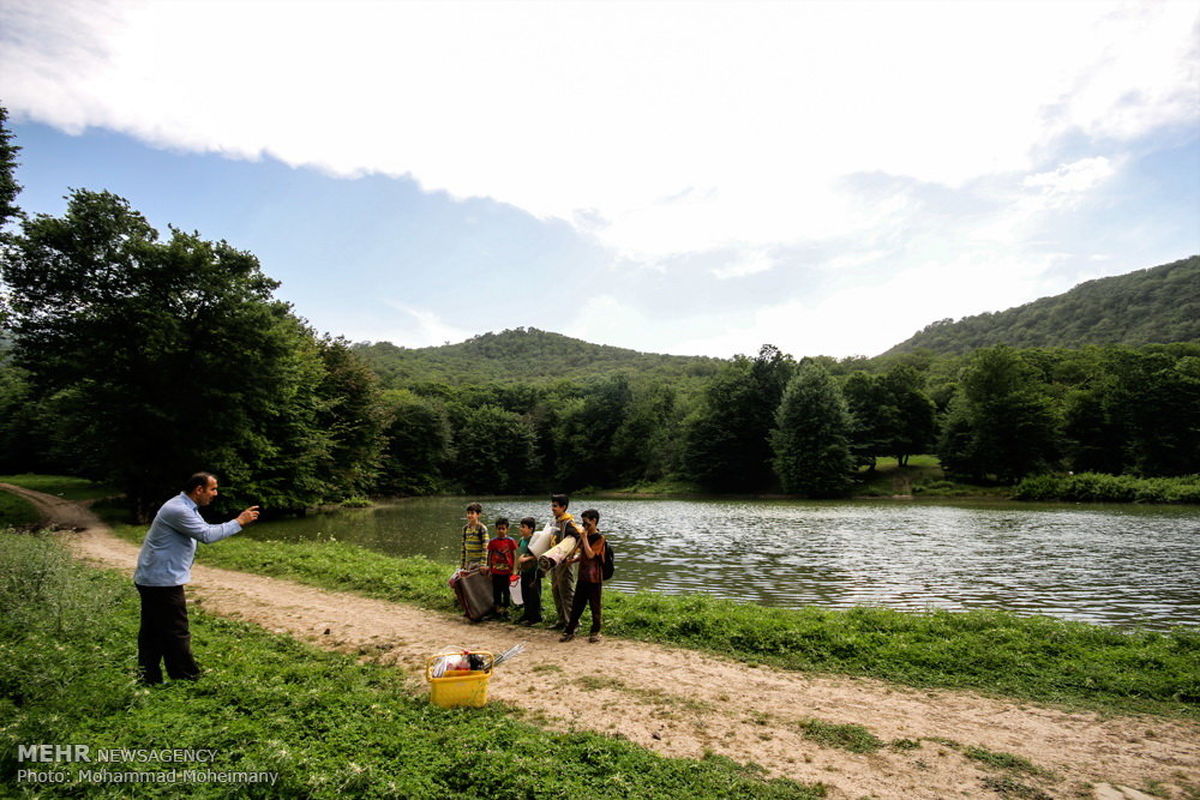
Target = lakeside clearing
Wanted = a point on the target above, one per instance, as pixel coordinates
(295, 721)
(682, 702)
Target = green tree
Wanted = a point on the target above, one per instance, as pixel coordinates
(165, 357)
(1094, 441)
(9, 188)
(892, 414)
(494, 450)
(352, 414)
(873, 418)
(914, 423)
(1003, 422)
(726, 445)
(18, 444)
(811, 439)
(586, 434)
(417, 437)
(645, 445)
(1153, 397)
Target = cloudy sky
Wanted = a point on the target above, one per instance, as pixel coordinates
(671, 177)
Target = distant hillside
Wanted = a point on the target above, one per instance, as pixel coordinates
(1161, 304)
(523, 355)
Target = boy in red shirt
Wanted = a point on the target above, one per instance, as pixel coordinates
(501, 552)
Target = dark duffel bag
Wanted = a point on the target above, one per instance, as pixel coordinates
(473, 589)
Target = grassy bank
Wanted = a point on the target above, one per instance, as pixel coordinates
(1035, 658)
(64, 486)
(327, 726)
(922, 476)
(16, 512)
(1095, 487)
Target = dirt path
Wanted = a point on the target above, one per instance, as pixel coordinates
(681, 703)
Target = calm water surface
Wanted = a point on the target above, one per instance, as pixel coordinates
(1115, 565)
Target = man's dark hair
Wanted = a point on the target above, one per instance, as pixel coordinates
(591, 514)
(200, 479)
(530, 523)
(560, 500)
(501, 521)
(478, 509)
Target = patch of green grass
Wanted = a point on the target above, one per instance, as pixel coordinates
(1006, 761)
(855, 738)
(663, 487)
(328, 726)
(64, 486)
(590, 683)
(1006, 786)
(1191, 791)
(937, 487)
(17, 512)
(113, 511)
(889, 478)
(922, 475)
(904, 744)
(951, 743)
(999, 653)
(356, 502)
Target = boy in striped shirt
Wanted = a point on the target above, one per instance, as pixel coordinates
(474, 539)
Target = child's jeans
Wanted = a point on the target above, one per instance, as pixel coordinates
(587, 594)
(500, 593)
(531, 592)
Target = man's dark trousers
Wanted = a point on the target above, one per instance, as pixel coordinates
(164, 635)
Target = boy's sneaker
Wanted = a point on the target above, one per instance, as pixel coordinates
(558, 626)
(566, 637)
(595, 637)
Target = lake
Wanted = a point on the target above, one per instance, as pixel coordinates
(1114, 565)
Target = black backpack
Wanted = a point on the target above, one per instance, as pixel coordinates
(606, 571)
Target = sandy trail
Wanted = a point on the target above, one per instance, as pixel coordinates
(682, 703)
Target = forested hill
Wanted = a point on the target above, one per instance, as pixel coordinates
(524, 355)
(1160, 304)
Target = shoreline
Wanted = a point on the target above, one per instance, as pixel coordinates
(379, 612)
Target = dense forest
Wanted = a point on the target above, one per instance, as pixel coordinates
(1161, 304)
(134, 358)
(523, 355)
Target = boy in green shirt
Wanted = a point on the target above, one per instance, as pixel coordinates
(531, 576)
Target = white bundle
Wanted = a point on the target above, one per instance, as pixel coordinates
(539, 543)
(558, 554)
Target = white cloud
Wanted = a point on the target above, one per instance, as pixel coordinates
(687, 127)
(868, 318)
(669, 132)
(1069, 181)
(418, 328)
(746, 263)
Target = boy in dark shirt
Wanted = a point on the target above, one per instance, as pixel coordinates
(501, 553)
(591, 577)
(531, 576)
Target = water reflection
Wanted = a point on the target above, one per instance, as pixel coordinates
(1113, 565)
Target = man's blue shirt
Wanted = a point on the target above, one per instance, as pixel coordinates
(170, 545)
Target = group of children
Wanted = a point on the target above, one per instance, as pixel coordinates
(575, 583)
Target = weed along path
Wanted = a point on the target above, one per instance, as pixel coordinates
(861, 737)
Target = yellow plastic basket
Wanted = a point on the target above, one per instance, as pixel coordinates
(459, 688)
